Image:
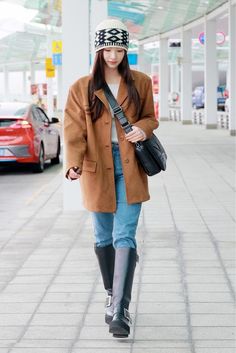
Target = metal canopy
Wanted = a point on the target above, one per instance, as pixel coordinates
(146, 18)
(24, 42)
(28, 43)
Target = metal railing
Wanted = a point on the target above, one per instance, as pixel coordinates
(198, 116)
(174, 112)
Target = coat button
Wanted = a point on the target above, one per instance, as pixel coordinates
(126, 160)
(122, 138)
(107, 146)
(106, 122)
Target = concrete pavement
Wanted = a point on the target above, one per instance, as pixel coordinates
(52, 298)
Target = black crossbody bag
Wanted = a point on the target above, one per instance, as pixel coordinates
(150, 153)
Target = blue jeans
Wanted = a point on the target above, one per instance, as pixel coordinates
(117, 228)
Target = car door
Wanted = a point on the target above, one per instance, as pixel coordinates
(50, 134)
(41, 130)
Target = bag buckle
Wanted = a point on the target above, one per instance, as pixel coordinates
(108, 301)
(127, 315)
(139, 146)
(117, 110)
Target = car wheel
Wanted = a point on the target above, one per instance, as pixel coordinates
(56, 160)
(39, 166)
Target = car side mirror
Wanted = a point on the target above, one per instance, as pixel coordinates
(54, 120)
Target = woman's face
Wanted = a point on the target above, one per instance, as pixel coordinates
(113, 56)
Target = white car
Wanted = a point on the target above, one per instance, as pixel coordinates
(227, 102)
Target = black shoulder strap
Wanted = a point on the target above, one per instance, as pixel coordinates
(117, 110)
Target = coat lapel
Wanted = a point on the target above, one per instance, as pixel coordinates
(122, 92)
(121, 97)
(100, 94)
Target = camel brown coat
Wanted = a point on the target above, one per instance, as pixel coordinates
(88, 144)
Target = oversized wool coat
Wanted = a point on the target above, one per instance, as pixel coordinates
(88, 144)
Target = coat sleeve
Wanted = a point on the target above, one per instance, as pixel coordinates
(75, 132)
(147, 121)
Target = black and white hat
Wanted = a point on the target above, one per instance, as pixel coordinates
(111, 33)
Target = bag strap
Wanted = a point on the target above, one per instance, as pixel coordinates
(117, 110)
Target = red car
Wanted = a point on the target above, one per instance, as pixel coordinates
(27, 135)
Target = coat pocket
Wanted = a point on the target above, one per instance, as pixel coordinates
(89, 166)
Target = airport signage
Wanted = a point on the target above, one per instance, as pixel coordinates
(57, 47)
(57, 59)
(220, 38)
(49, 67)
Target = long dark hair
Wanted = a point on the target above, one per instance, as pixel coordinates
(98, 79)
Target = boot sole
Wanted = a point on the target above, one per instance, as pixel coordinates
(120, 336)
(119, 329)
(108, 319)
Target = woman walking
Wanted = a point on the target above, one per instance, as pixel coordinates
(102, 156)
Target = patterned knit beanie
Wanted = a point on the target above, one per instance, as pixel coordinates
(111, 33)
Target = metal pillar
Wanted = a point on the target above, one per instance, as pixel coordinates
(232, 69)
(24, 74)
(163, 80)
(141, 65)
(49, 80)
(59, 89)
(75, 36)
(174, 78)
(211, 75)
(6, 83)
(32, 73)
(99, 12)
(186, 78)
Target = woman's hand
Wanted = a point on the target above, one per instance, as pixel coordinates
(74, 173)
(135, 135)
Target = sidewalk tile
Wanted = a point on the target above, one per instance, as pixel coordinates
(14, 319)
(161, 333)
(42, 343)
(51, 292)
(213, 320)
(50, 332)
(10, 332)
(160, 320)
(61, 308)
(39, 350)
(223, 333)
(215, 350)
(55, 319)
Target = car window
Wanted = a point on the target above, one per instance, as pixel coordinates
(39, 115)
(12, 110)
(198, 91)
(42, 116)
(36, 115)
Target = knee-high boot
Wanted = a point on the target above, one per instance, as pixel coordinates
(125, 263)
(106, 258)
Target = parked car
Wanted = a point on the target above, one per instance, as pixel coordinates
(227, 103)
(27, 135)
(198, 97)
(221, 97)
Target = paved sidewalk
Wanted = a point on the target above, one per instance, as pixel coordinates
(52, 299)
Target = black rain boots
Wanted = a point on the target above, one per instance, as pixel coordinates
(106, 259)
(125, 263)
